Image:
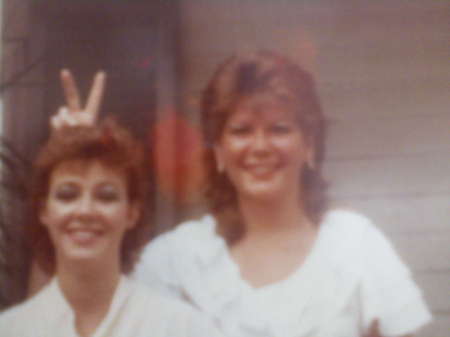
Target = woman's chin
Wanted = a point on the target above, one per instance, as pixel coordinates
(84, 251)
(81, 255)
(262, 193)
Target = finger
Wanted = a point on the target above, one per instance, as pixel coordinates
(70, 91)
(57, 120)
(55, 123)
(85, 119)
(96, 95)
(70, 121)
(63, 112)
(66, 118)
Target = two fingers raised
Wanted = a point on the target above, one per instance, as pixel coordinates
(74, 113)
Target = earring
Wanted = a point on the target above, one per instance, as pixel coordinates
(310, 163)
(220, 167)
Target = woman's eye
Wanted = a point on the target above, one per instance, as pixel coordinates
(67, 192)
(281, 128)
(107, 193)
(239, 129)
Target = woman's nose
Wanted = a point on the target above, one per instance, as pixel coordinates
(260, 141)
(85, 206)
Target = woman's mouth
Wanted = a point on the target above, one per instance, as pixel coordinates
(261, 170)
(83, 236)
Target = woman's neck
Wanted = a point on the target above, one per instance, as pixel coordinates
(278, 216)
(277, 238)
(89, 290)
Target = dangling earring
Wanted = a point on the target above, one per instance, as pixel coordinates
(310, 163)
(219, 166)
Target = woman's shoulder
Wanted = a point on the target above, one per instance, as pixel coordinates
(351, 225)
(362, 249)
(358, 242)
(144, 298)
(11, 316)
(352, 239)
(344, 217)
(169, 257)
(187, 234)
(169, 314)
(31, 311)
(343, 223)
(153, 301)
(194, 228)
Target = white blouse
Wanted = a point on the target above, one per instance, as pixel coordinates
(351, 277)
(135, 311)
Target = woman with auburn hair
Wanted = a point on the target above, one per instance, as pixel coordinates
(88, 190)
(270, 259)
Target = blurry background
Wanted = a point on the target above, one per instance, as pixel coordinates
(382, 70)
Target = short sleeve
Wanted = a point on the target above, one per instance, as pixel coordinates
(155, 267)
(388, 292)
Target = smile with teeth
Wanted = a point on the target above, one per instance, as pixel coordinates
(261, 170)
(83, 236)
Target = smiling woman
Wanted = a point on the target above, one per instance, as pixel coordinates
(270, 259)
(262, 149)
(89, 173)
(88, 190)
(87, 212)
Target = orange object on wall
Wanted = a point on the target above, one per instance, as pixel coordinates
(178, 157)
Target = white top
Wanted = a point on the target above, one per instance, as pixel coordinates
(135, 312)
(351, 277)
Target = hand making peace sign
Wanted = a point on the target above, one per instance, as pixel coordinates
(73, 113)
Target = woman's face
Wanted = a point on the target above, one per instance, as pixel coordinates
(262, 149)
(87, 211)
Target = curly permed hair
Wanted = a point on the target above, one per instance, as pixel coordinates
(107, 143)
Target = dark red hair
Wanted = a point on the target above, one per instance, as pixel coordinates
(107, 143)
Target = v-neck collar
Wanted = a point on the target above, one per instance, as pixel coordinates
(121, 293)
(212, 282)
(294, 275)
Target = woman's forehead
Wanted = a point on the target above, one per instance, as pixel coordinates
(264, 106)
(83, 167)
